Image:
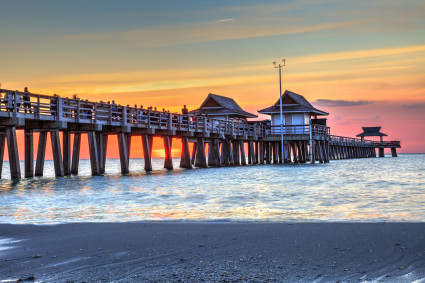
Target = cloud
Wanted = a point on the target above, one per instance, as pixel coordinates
(227, 29)
(351, 120)
(252, 21)
(340, 103)
(414, 106)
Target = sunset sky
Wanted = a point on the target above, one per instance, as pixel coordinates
(363, 61)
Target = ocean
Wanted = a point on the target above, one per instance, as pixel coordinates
(356, 190)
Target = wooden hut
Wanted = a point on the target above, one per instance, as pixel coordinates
(297, 113)
(372, 132)
(222, 108)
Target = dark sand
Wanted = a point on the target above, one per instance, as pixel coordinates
(135, 252)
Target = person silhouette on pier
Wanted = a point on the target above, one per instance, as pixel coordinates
(27, 102)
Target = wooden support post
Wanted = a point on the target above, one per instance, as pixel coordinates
(381, 152)
(168, 161)
(242, 150)
(300, 152)
(57, 153)
(94, 154)
(128, 140)
(275, 153)
(280, 153)
(122, 144)
(313, 151)
(230, 148)
(261, 152)
(12, 145)
(105, 147)
(75, 153)
(101, 142)
(236, 155)
(214, 153)
(194, 149)
(227, 153)
(306, 151)
(294, 152)
(326, 146)
(185, 161)
(41, 152)
(256, 152)
(394, 152)
(217, 151)
(224, 157)
(2, 144)
(29, 153)
(100, 148)
(286, 152)
(147, 153)
(268, 152)
(201, 160)
(66, 153)
(251, 153)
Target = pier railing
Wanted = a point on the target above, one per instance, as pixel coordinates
(297, 130)
(387, 143)
(347, 140)
(54, 108)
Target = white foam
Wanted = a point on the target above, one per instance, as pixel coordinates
(5, 243)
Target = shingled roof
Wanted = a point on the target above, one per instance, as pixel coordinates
(217, 105)
(292, 103)
(371, 132)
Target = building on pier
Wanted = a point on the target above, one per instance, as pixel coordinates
(222, 108)
(381, 145)
(297, 114)
(372, 132)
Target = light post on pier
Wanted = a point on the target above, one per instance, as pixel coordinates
(279, 64)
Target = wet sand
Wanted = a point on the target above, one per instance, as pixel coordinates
(149, 251)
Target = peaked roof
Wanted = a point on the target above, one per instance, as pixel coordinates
(371, 132)
(221, 105)
(292, 103)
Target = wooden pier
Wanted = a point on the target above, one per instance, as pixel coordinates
(230, 141)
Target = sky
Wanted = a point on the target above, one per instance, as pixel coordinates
(362, 61)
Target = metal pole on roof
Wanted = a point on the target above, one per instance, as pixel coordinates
(280, 64)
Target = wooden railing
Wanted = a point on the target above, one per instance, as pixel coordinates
(387, 143)
(43, 107)
(347, 140)
(297, 130)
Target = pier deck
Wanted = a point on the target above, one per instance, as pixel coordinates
(227, 139)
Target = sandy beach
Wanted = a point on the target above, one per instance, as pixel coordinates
(289, 252)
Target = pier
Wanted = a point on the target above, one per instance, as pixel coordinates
(231, 139)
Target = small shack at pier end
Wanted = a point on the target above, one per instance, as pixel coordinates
(297, 114)
(381, 145)
(372, 132)
(222, 108)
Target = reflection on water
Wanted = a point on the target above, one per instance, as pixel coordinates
(378, 189)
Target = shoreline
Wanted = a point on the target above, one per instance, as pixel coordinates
(213, 251)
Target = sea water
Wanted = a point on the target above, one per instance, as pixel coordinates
(372, 189)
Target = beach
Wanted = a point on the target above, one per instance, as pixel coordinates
(213, 251)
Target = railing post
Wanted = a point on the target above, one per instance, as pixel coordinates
(124, 116)
(170, 122)
(149, 118)
(78, 111)
(95, 112)
(14, 105)
(59, 108)
(38, 108)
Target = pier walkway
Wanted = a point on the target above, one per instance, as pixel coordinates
(227, 139)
